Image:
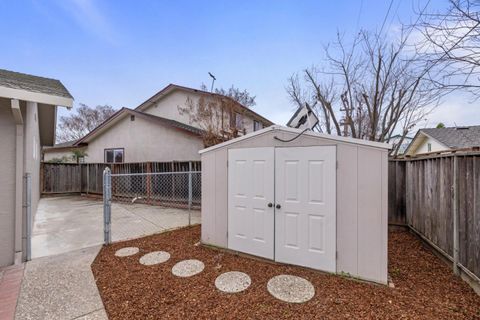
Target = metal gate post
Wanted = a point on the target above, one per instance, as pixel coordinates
(190, 191)
(107, 206)
(28, 214)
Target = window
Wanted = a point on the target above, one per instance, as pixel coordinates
(238, 120)
(257, 125)
(429, 147)
(114, 155)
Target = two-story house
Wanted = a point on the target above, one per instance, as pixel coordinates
(160, 130)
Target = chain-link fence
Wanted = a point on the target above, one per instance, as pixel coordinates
(161, 199)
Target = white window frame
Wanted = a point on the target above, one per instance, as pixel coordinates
(115, 151)
(255, 123)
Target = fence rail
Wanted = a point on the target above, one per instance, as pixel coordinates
(439, 197)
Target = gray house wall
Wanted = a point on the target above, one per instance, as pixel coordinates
(7, 185)
(362, 178)
(20, 150)
(145, 140)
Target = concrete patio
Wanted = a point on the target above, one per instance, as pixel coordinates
(67, 235)
(68, 223)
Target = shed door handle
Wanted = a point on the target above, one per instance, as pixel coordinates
(270, 205)
(278, 206)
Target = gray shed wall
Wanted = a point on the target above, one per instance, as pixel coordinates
(362, 180)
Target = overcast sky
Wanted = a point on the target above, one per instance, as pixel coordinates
(122, 52)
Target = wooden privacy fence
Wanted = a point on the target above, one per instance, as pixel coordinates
(439, 198)
(58, 178)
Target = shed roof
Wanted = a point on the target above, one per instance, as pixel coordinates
(299, 131)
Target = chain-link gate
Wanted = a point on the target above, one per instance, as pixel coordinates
(160, 201)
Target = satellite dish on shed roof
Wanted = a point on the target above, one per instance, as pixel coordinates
(303, 118)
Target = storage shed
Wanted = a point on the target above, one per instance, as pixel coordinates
(307, 199)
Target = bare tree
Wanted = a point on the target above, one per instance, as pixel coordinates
(451, 45)
(219, 117)
(82, 121)
(368, 89)
(241, 96)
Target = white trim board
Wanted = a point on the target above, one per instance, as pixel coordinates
(38, 97)
(278, 128)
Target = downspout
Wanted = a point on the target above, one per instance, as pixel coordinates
(17, 116)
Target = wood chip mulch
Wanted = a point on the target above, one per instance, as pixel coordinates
(425, 288)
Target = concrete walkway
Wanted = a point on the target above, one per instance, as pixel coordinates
(64, 224)
(61, 287)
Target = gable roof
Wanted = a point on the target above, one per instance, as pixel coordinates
(172, 87)
(278, 128)
(23, 81)
(456, 137)
(117, 116)
(450, 137)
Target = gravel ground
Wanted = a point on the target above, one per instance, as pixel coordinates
(425, 287)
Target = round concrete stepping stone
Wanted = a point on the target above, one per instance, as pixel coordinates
(232, 282)
(125, 252)
(291, 289)
(188, 268)
(155, 257)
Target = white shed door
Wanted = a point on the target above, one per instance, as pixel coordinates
(305, 215)
(250, 191)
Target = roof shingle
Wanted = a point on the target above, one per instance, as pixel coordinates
(456, 137)
(22, 81)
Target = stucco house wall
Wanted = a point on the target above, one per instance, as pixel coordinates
(7, 185)
(32, 149)
(167, 107)
(144, 141)
(362, 184)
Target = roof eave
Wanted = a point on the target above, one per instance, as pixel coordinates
(38, 97)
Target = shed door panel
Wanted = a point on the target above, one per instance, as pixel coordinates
(250, 190)
(305, 224)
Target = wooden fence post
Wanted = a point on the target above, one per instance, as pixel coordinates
(456, 237)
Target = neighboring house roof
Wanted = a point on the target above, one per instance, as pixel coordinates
(117, 116)
(17, 80)
(172, 87)
(61, 146)
(456, 137)
(451, 137)
(278, 128)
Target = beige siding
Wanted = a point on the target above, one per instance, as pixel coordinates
(361, 201)
(167, 107)
(7, 185)
(436, 146)
(145, 140)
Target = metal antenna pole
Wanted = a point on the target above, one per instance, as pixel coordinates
(213, 80)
